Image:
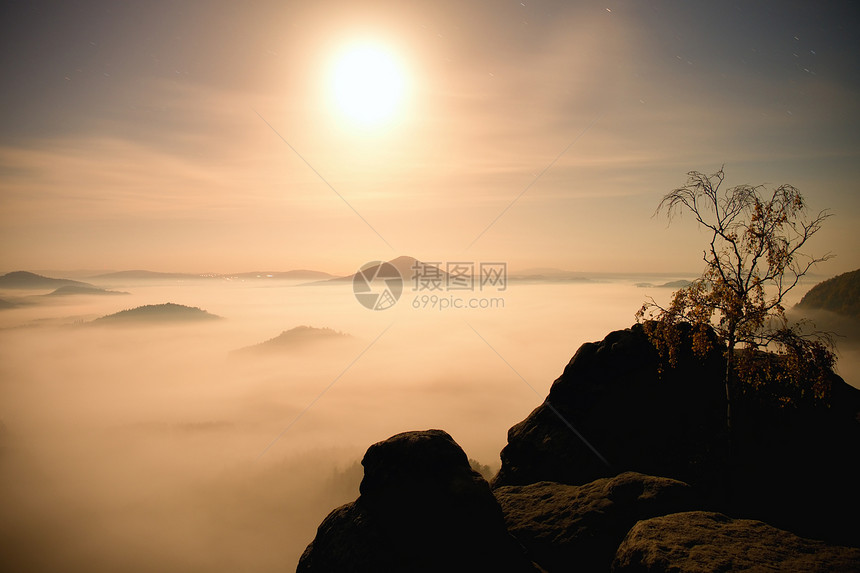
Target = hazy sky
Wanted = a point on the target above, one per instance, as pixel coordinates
(204, 136)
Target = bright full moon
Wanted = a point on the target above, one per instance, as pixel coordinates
(368, 85)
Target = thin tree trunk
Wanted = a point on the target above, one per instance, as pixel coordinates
(729, 362)
(730, 446)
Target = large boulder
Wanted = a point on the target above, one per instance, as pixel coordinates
(421, 508)
(613, 410)
(568, 527)
(699, 542)
(617, 407)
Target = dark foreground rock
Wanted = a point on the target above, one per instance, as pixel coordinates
(699, 542)
(567, 527)
(612, 393)
(613, 398)
(421, 509)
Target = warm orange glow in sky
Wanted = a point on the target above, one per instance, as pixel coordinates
(539, 133)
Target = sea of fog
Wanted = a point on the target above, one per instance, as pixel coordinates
(157, 447)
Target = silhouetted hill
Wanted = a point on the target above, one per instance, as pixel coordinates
(148, 275)
(670, 284)
(544, 271)
(82, 290)
(547, 275)
(77, 274)
(297, 338)
(406, 266)
(297, 274)
(841, 295)
(28, 280)
(158, 313)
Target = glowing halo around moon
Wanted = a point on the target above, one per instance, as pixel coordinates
(367, 85)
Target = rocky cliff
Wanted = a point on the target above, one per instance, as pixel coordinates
(626, 466)
(795, 467)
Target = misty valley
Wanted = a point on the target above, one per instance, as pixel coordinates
(210, 424)
(148, 445)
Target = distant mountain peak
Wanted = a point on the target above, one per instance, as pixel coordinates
(28, 280)
(158, 313)
(296, 338)
(138, 274)
(404, 260)
(23, 275)
(840, 294)
(68, 290)
(407, 267)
